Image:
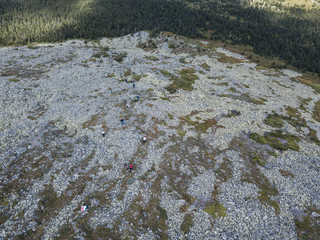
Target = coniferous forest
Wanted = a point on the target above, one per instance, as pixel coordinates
(290, 33)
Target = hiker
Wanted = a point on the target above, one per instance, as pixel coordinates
(130, 168)
(144, 139)
(128, 106)
(103, 133)
(122, 121)
(133, 85)
(84, 207)
(136, 99)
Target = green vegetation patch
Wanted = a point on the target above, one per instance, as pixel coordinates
(216, 210)
(95, 120)
(316, 111)
(245, 97)
(224, 172)
(137, 77)
(310, 80)
(309, 227)
(185, 81)
(295, 119)
(102, 53)
(277, 140)
(205, 66)
(14, 80)
(187, 223)
(266, 189)
(223, 58)
(166, 73)
(119, 57)
(274, 120)
(151, 58)
(200, 126)
(257, 159)
(286, 173)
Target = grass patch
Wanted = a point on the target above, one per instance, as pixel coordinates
(187, 223)
(170, 116)
(185, 81)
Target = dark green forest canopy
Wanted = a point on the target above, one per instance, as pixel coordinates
(293, 34)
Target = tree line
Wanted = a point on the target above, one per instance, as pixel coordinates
(291, 33)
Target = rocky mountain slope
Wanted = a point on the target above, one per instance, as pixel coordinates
(232, 148)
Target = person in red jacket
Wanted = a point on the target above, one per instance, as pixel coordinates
(130, 168)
